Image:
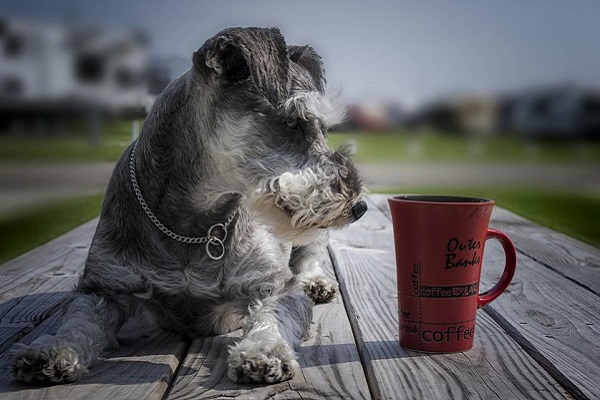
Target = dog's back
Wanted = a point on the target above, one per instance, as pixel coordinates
(231, 175)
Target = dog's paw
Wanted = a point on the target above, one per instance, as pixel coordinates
(249, 361)
(32, 365)
(320, 289)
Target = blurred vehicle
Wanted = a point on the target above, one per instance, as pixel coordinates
(459, 113)
(553, 111)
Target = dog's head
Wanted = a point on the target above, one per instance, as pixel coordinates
(271, 123)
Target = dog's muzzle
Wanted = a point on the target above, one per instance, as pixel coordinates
(359, 209)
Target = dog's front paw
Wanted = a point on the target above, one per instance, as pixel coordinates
(53, 365)
(320, 289)
(250, 361)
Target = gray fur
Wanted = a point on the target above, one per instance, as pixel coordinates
(241, 134)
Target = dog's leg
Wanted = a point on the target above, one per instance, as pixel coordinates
(305, 263)
(89, 326)
(275, 327)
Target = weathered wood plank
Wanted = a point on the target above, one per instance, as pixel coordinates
(570, 257)
(53, 257)
(497, 367)
(555, 319)
(23, 314)
(51, 270)
(38, 283)
(329, 360)
(142, 368)
(36, 286)
(10, 334)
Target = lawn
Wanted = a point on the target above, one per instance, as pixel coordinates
(30, 228)
(403, 146)
(72, 145)
(389, 147)
(574, 213)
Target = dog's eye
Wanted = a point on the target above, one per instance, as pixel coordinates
(294, 123)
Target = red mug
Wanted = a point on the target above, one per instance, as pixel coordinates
(439, 242)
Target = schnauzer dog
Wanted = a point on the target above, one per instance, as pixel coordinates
(214, 218)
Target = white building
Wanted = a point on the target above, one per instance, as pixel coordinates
(54, 66)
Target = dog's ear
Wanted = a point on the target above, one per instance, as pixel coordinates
(237, 54)
(308, 58)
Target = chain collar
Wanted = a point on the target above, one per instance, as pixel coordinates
(215, 237)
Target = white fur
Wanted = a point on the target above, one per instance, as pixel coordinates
(308, 195)
(327, 109)
(268, 267)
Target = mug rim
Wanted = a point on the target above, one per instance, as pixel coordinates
(442, 199)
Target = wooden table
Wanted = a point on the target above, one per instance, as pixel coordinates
(541, 339)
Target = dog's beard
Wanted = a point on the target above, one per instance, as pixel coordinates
(297, 205)
(309, 198)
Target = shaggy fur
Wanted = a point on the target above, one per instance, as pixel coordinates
(241, 138)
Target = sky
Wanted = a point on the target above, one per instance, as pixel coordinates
(402, 51)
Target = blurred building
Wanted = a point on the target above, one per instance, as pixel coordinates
(373, 116)
(460, 113)
(65, 69)
(553, 111)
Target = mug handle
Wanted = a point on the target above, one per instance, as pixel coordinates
(509, 268)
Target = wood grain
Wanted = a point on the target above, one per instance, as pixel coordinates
(555, 319)
(141, 368)
(539, 340)
(497, 367)
(547, 311)
(38, 283)
(329, 360)
(35, 287)
(569, 257)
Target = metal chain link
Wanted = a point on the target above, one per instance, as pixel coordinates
(210, 239)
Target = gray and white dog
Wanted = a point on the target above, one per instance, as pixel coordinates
(214, 218)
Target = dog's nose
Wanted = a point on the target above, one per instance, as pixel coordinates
(359, 209)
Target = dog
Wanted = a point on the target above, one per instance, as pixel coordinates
(214, 219)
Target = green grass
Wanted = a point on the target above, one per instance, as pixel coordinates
(400, 146)
(574, 214)
(34, 227)
(407, 146)
(68, 146)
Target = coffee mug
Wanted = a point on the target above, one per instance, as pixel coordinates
(439, 242)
